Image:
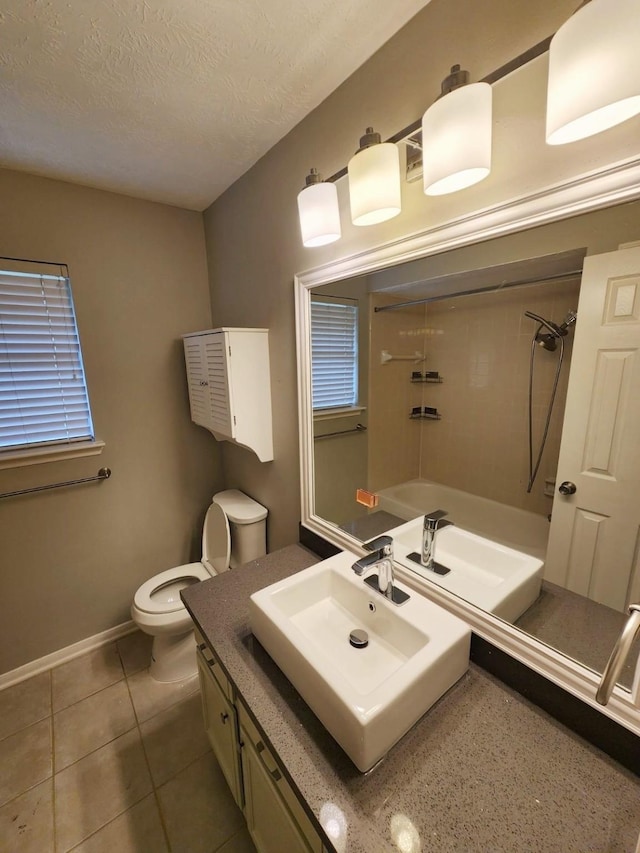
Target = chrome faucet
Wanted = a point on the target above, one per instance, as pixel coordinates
(381, 557)
(433, 521)
(612, 670)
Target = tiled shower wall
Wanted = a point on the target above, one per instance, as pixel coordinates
(481, 347)
(394, 440)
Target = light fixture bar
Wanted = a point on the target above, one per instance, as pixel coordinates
(492, 77)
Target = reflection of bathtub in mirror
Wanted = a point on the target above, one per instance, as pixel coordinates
(516, 528)
(494, 551)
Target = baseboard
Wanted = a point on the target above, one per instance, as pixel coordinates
(35, 667)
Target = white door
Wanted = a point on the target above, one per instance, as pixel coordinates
(594, 535)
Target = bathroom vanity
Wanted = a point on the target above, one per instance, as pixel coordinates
(484, 769)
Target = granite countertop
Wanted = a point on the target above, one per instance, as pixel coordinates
(483, 770)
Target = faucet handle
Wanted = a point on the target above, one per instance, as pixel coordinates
(433, 519)
(384, 544)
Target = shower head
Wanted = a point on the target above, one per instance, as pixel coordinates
(549, 340)
(553, 328)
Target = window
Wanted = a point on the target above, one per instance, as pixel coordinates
(43, 393)
(334, 353)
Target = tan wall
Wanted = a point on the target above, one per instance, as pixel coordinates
(70, 560)
(252, 231)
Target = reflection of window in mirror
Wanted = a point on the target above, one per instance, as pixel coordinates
(334, 347)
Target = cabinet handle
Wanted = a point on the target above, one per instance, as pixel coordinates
(202, 382)
(206, 654)
(223, 717)
(275, 774)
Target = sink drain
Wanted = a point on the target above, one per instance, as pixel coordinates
(358, 638)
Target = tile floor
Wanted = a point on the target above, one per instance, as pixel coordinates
(97, 757)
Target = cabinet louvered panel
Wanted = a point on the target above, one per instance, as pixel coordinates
(230, 386)
(216, 366)
(197, 382)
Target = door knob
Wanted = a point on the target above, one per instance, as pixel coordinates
(567, 488)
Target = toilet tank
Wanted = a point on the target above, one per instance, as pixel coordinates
(247, 525)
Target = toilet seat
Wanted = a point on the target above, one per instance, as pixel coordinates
(216, 540)
(161, 593)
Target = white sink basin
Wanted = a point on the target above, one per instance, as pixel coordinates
(367, 698)
(485, 573)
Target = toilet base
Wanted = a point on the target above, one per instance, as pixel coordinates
(173, 657)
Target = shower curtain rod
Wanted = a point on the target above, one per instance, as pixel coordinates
(490, 289)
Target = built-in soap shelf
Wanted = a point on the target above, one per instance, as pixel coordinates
(429, 413)
(428, 376)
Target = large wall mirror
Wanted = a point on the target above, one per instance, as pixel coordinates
(498, 381)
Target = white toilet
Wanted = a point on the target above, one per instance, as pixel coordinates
(234, 533)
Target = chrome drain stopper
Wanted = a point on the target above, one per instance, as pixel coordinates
(358, 638)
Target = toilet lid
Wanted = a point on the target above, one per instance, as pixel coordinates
(161, 593)
(216, 539)
(240, 508)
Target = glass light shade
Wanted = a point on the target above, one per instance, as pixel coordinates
(374, 184)
(319, 214)
(456, 139)
(594, 70)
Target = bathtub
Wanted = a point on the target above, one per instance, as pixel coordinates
(516, 528)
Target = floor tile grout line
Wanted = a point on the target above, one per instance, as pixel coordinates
(102, 826)
(93, 692)
(165, 708)
(95, 749)
(88, 696)
(156, 797)
(24, 728)
(25, 791)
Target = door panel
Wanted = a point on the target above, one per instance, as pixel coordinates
(593, 539)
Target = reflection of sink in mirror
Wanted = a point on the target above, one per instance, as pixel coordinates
(369, 697)
(516, 528)
(498, 579)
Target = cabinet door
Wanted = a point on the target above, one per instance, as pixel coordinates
(216, 353)
(197, 381)
(221, 727)
(270, 823)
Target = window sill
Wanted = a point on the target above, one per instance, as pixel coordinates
(343, 412)
(20, 458)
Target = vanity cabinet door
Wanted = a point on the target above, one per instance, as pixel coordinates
(221, 727)
(275, 818)
(270, 823)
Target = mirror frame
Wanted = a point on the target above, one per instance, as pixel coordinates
(606, 187)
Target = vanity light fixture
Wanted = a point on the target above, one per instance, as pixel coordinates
(374, 180)
(594, 70)
(456, 135)
(594, 84)
(318, 211)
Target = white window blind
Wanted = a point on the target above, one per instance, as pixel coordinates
(43, 393)
(334, 354)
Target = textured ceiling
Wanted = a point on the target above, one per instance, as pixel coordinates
(172, 100)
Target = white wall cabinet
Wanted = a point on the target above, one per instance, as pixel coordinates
(229, 384)
(275, 818)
